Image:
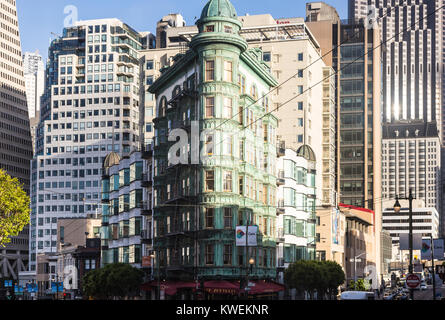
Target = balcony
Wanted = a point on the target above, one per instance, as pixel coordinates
(146, 236)
(280, 207)
(146, 180)
(280, 179)
(280, 236)
(148, 152)
(281, 149)
(146, 208)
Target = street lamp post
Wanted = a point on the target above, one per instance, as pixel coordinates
(158, 276)
(355, 268)
(397, 208)
(432, 266)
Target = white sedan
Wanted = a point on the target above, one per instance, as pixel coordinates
(423, 287)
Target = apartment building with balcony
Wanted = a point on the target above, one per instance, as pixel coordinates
(126, 209)
(90, 108)
(296, 237)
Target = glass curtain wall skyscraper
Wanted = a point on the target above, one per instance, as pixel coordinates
(412, 31)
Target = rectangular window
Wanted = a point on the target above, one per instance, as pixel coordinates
(228, 73)
(228, 181)
(209, 144)
(228, 108)
(210, 70)
(210, 107)
(210, 218)
(210, 181)
(228, 218)
(209, 254)
(227, 254)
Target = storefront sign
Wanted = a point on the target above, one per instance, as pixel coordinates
(146, 261)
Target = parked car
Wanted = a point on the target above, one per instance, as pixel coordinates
(357, 295)
(388, 296)
(423, 286)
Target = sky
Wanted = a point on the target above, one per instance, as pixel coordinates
(38, 19)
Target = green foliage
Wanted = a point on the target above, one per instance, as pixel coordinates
(360, 285)
(114, 280)
(307, 276)
(14, 208)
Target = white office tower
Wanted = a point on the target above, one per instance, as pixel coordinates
(34, 73)
(90, 108)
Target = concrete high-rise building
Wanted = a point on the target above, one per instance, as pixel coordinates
(425, 222)
(412, 70)
(34, 71)
(15, 137)
(90, 108)
(359, 120)
(411, 160)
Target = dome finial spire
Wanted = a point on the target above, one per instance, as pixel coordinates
(219, 8)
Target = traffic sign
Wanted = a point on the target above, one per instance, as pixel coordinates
(356, 260)
(413, 281)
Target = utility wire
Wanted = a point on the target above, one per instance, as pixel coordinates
(367, 52)
(296, 74)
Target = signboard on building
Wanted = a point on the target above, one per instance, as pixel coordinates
(56, 287)
(146, 261)
(240, 236)
(404, 241)
(336, 226)
(31, 287)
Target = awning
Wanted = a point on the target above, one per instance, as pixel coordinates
(221, 287)
(170, 288)
(260, 287)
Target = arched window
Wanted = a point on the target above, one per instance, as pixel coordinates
(162, 106)
(253, 92)
(176, 91)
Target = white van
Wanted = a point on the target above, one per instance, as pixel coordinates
(357, 295)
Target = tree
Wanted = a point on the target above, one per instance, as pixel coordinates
(114, 280)
(309, 276)
(335, 277)
(14, 208)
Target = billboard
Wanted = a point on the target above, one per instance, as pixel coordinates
(438, 249)
(240, 236)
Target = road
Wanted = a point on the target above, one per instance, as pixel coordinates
(428, 294)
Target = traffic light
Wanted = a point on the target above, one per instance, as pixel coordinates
(64, 296)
